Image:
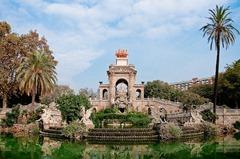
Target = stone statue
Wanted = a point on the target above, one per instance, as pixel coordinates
(121, 100)
(86, 118)
(51, 117)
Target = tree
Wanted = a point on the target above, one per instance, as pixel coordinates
(13, 48)
(58, 91)
(10, 56)
(189, 100)
(33, 42)
(87, 92)
(220, 32)
(230, 85)
(159, 89)
(204, 90)
(71, 106)
(36, 74)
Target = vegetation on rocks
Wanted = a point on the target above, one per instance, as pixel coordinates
(170, 131)
(236, 125)
(11, 117)
(72, 105)
(208, 115)
(74, 129)
(209, 129)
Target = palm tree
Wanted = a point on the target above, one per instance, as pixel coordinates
(220, 32)
(36, 74)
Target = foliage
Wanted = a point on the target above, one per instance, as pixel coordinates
(230, 85)
(237, 125)
(34, 129)
(73, 129)
(11, 117)
(87, 92)
(14, 47)
(37, 73)
(58, 91)
(34, 115)
(170, 130)
(158, 89)
(109, 110)
(135, 118)
(237, 136)
(209, 129)
(162, 90)
(10, 55)
(204, 90)
(189, 99)
(208, 115)
(220, 30)
(71, 106)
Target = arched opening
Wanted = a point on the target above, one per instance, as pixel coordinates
(121, 87)
(138, 94)
(94, 110)
(149, 111)
(121, 91)
(105, 94)
(122, 110)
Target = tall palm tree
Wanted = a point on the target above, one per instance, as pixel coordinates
(220, 32)
(36, 74)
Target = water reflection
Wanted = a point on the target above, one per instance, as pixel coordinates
(46, 148)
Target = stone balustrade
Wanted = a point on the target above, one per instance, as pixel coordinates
(227, 116)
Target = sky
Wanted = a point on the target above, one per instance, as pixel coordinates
(162, 36)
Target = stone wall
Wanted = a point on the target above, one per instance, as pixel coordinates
(154, 104)
(227, 116)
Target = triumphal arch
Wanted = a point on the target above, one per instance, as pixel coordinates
(122, 91)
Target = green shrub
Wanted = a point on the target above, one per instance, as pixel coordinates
(34, 115)
(236, 125)
(11, 117)
(135, 118)
(109, 110)
(208, 115)
(34, 129)
(73, 129)
(71, 106)
(172, 131)
(209, 129)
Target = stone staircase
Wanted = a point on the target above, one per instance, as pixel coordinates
(56, 133)
(125, 134)
(189, 132)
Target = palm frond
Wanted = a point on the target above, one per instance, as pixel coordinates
(219, 30)
(37, 73)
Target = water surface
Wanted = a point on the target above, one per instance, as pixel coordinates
(47, 148)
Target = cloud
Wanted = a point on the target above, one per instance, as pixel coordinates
(76, 29)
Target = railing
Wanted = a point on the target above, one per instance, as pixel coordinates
(225, 111)
(162, 101)
(179, 115)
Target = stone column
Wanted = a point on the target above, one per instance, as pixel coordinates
(111, 89)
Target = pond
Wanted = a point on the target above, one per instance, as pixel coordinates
(47, 148)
